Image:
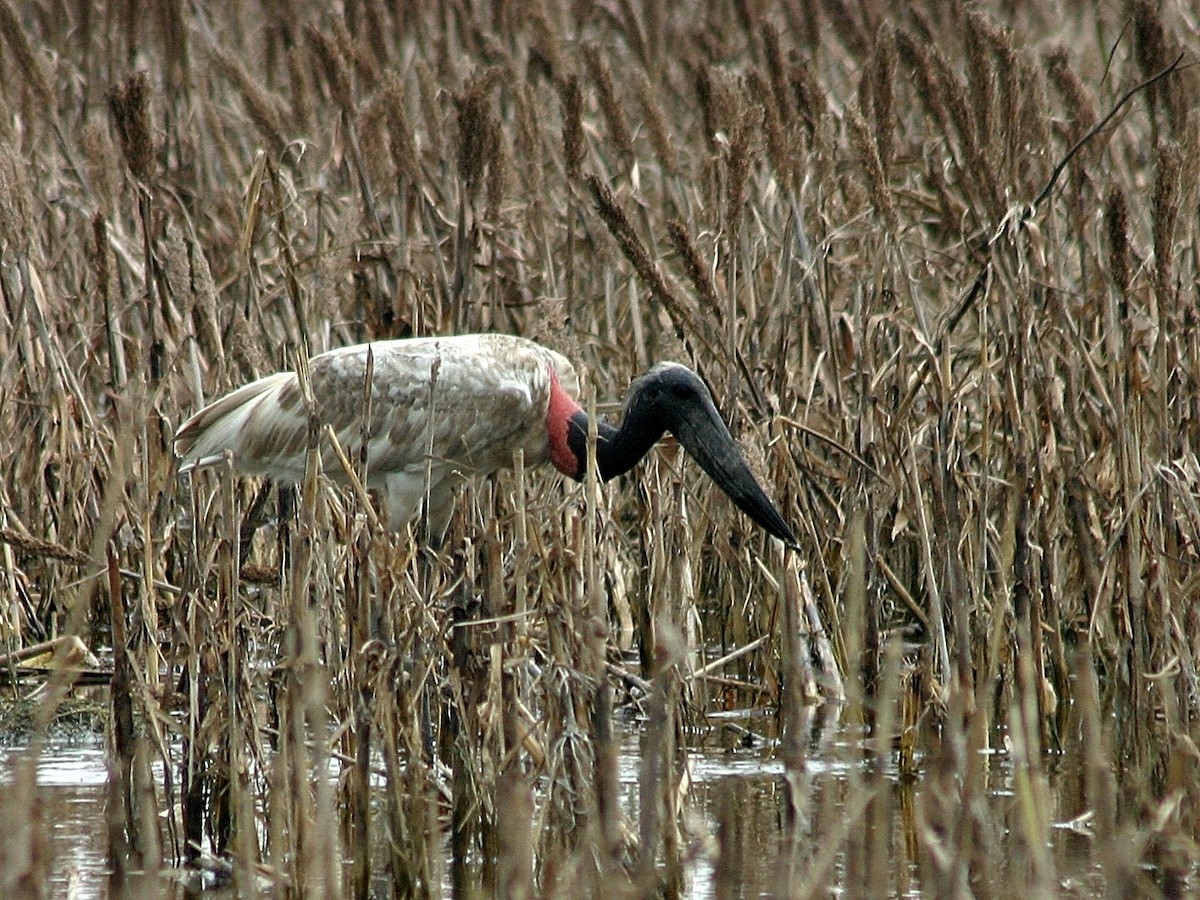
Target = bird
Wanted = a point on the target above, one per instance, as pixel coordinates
(444, 409)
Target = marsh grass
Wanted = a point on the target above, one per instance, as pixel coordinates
(940, 269)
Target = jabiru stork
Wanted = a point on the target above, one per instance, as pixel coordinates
(446, 408)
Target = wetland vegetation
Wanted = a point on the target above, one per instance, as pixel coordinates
(938, 263)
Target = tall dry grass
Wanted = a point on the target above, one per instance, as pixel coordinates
(938, 265)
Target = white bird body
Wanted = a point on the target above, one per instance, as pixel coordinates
(463, 403)
(446, 408)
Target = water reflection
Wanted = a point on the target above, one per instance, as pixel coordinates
(739, 804)
(71, 782)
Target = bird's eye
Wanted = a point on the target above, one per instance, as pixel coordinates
(680, 390)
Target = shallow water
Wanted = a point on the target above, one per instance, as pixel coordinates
(71, 799)
(724, 767)
(71, 782)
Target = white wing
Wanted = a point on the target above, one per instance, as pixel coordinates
(463, 404)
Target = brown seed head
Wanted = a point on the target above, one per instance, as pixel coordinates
(619, 226)
(811, 100)
(1149, 38)
(776, 71)
(27, 59)
(981, 75)
(129, 103)
(103, 167)
(1116, 220)
(656, 125)
(693, 265)
(572, 125)
(264, 108)
(883, 96)
(1165, 215)
(400, 132)
(300, 91)
(601, 74)
(373, 137)
(772, 126)
(332, 63)
(499, 165)
(1153, 50)
(913, 53)
(741, 158)
(477, 129)
(868, 155)
(1080, 103)
(97, 252)
(545, 45)
(529, 142)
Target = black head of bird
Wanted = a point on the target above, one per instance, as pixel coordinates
(672, 398)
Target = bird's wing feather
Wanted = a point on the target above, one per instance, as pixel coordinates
(466, 401)
(469, 414)
(216, 427)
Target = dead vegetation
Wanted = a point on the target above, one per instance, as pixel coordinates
(940, 268)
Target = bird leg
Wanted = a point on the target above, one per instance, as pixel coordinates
(256, 517)
(286, 509)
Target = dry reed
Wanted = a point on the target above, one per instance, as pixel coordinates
(940, 280)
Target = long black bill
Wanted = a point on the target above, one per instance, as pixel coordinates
(704, 435)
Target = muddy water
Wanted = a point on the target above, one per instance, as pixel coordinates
(733, 766)
(71, 782)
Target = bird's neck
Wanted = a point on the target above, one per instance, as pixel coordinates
(617, 449)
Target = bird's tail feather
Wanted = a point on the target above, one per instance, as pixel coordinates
(217, 427)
